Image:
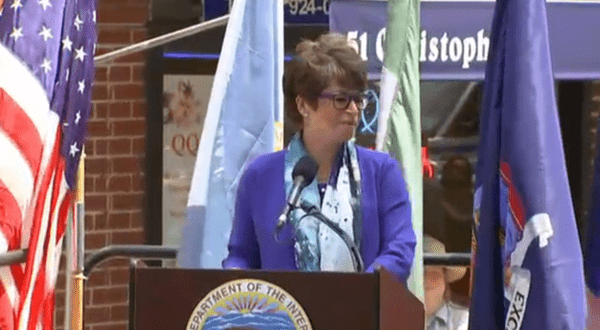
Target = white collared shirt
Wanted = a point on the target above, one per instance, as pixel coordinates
(449, 316)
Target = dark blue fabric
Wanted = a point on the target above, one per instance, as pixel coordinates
(520, 138)
(592, 250)
(387, 235)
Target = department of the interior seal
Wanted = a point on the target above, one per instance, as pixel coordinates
(248, 304)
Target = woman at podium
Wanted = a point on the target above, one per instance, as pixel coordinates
(359, 189)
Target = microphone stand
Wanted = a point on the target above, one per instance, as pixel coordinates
(314, 211)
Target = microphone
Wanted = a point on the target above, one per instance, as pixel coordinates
(303, 174)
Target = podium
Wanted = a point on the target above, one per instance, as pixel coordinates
(170, 298)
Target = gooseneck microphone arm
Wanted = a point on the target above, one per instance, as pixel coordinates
(314, 211)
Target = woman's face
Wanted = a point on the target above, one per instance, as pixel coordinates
(435, 287)
(330, 120)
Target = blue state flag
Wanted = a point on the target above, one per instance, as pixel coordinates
(528, 267)
(243, 120)
(592, 246)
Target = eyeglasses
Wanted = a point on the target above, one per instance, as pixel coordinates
(341, 100)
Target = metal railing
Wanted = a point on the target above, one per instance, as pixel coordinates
(13, 257)
(128, 251)
(167, 252)
(446, 259)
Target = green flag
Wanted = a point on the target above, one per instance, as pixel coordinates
(399, 131)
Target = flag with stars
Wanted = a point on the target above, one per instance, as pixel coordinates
(46, 74)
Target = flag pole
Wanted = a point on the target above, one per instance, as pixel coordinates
(70, 268)
(77, 276)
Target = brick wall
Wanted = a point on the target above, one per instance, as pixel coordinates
(114, 177)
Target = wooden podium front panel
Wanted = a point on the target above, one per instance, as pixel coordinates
(399, 309)
(165, 298)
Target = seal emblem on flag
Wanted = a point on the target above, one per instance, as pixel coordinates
(517, 280)
(515, 234)
(248, 304)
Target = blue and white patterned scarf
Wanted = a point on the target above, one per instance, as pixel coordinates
(316, 246)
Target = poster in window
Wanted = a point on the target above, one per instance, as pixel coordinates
(185, 100)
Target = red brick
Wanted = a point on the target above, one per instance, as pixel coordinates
(138, 145)
(119, 183)
(100, 92)
(101, 184)
(89, 147)
(103, 296)
(100, 110)
(138, 182)
(89, 183)
(98, 278)
(119, 73)
(126, 164)
(101, 147)
(139, 71)
(101, 74)
(139, 34)
(137, 220)
(59, 317)
(96, 129)
(95, 240)
(60, 299)
(89, 221)
(95, 203)
(119, 146)
(100, 221)
(129, 127)
(119, 276)
(113, 36)
(128, 92)
(122, 202)
(119, 312)
(128, 237)
(110, 326)
(129, 14)
(139, 109)
(96, 166)
(95, 314)
(61, 278)
(119, 110)
(119, 220)
(87, 296)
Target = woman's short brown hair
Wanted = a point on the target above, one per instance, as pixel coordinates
(316, 65)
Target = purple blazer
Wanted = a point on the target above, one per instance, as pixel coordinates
(387, 237)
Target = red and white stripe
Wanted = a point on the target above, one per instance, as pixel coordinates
(33, 185)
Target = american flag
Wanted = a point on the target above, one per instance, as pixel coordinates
(46, 75)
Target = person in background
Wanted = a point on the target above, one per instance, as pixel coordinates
(441, 313)
(457, 183)
(457, 202)
(433, 212)
(361, 190)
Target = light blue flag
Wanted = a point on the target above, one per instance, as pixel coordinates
(243, 120)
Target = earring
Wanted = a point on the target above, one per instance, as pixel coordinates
(304, 114)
